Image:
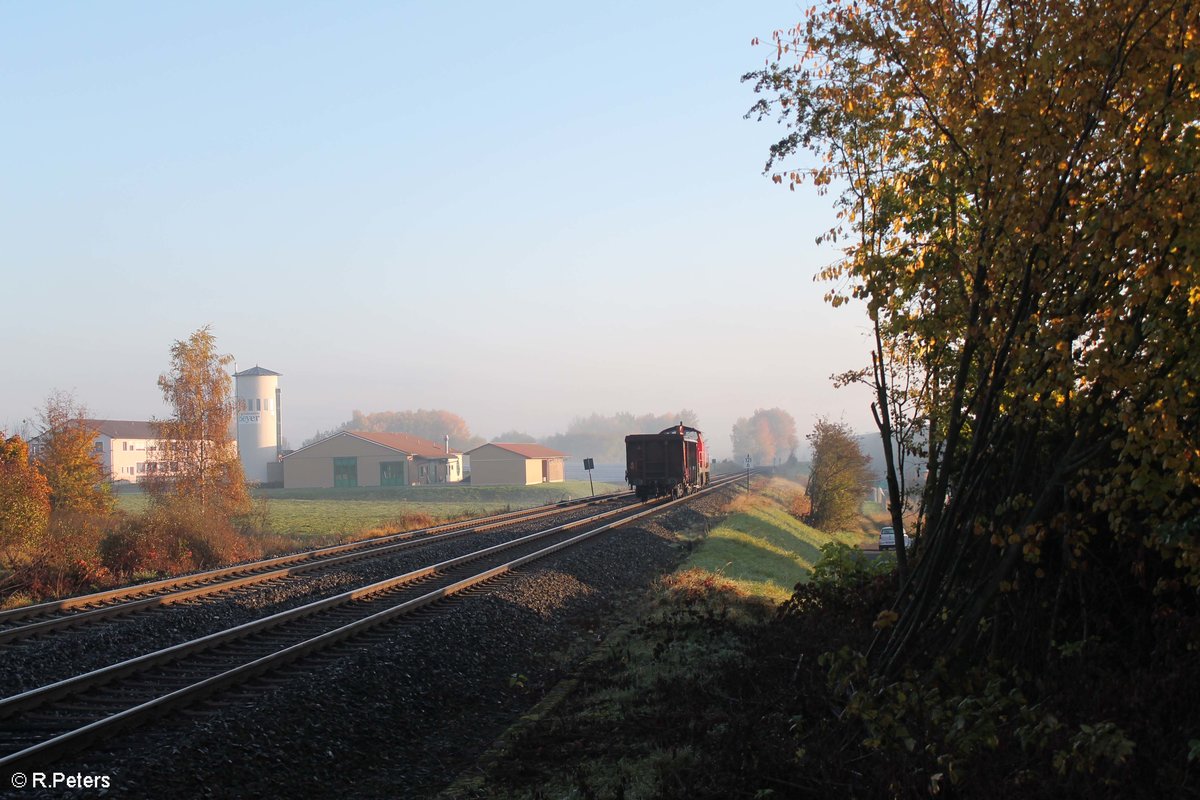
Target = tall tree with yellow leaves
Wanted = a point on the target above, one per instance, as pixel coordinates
(1019, 196)
(196, 443)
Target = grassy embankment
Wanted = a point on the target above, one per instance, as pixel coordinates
(762, 549)
(303, 514)
(656, 711)
(714, 691)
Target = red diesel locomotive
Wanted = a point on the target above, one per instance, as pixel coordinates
(672, 462)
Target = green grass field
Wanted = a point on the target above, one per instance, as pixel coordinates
(761, 547)
(338, 513)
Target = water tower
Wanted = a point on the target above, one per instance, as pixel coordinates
(259, 432)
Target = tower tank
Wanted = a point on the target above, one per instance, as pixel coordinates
(258, 421)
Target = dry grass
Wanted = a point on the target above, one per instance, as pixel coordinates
(402, 523)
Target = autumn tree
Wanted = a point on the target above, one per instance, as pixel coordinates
(840, 476)
(1018, 189)
(66, 455)
(24, 499)
(766, 435)
(196, 443)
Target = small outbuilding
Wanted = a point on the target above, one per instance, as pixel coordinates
(360, 458)
(504, 464)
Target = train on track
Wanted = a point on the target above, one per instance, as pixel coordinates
(672, 462)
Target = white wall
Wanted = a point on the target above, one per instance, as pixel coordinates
(257, 420)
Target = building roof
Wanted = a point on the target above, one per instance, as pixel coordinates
(524, 449)
(407, 443)
(122, 429)
(255, 372)
(400, 442)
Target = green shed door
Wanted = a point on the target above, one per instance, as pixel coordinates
(391, 473)
(345, 472)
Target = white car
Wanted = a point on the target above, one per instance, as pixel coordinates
(887, 539)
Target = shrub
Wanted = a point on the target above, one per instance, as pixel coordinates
(799, 506)
(122, 550)
(174, 539)
(843, 566)
(65, 559)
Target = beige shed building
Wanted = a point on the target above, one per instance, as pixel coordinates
(357, 458)
(503, 464)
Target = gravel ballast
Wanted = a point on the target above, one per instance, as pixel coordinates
(403, 710)
(31, 663)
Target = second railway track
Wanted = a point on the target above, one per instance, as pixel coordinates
(21, 623)
(42, 724)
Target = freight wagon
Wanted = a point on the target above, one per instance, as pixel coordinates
(673, 462)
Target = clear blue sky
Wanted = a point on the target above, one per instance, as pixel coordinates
(517, 212)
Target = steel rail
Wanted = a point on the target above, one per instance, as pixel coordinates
(175, 590)
(79, 738)
(53, 691)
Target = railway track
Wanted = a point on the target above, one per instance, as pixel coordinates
(41, 725)
(20, 623)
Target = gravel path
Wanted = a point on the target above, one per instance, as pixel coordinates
(401, 711)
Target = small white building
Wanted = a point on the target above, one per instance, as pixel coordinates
(519, 464)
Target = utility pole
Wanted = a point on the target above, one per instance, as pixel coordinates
(747, 473)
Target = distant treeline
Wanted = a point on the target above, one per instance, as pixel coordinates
(598, 436)
(602, 437)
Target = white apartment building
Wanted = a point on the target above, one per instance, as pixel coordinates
(127, 449)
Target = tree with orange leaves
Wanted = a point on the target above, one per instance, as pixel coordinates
(768, 435)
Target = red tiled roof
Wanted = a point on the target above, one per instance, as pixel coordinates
(526, 450)
(406, 443)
